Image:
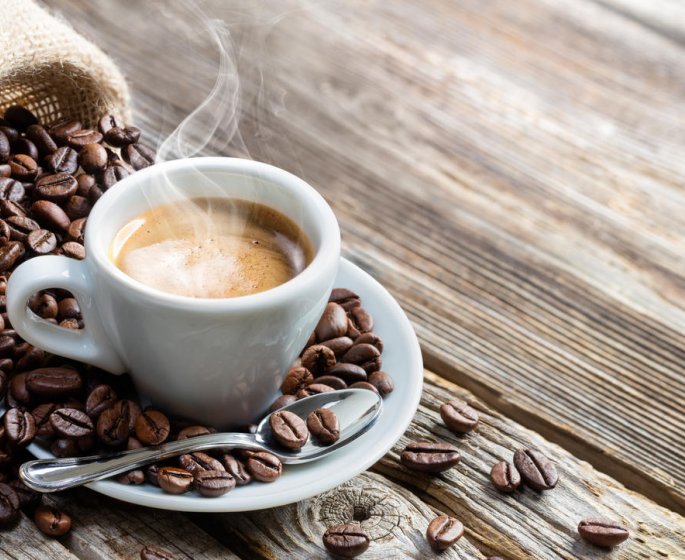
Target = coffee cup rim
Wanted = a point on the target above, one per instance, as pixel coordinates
(326, 255)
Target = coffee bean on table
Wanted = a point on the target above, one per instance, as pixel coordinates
(20, 426)
(536, 470)
(9, 504)
(152, 552)
(288, 429)
(459, 416)
(349, 373)
(119, 136)
(347, 299)
(54, 381)
(236, 469)
(505, 477)
(152, 427)
(50, 215)
(382, 382)
(40, 137)
(71, 423)
(174, 480)
(280, 402)
(443, 532)
(602, 532)
(365, 356)
(214, 483)
(323, 425)
(264, 466)
(318, 359)
(51, 521)
(429, 457)
(339, 345)
(56, 187)
(41, 241)
(113, 424)
(138, 155)
(333, 323)
(198, 462)
(313, 389)
(335, 383)
(346, 541)
(297, 378)
(99, 399)
(83, 136)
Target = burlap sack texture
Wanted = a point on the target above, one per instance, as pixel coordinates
(49, 68)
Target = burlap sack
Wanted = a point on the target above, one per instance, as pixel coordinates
(49, 68)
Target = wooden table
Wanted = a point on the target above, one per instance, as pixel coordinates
(513, 173)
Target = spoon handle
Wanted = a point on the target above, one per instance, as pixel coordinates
(53, 475)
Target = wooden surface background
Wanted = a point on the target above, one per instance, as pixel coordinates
(513, 173)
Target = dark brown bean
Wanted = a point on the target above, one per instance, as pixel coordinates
(20, 117)
(346, 541)
(9, 504)
(152, 552)
(335, 383)
(44, 305)
(297, 378)
(382, 382)
(54, 381)
(11, 189)
(602, 532)
(313, 389)
(92, 158)
(32, 358)
(41, 241)
(24, 167)
(198, 462)
(71, 423)
(26, 147)
(288, 429)
(365, 356)
(152, 427)
(370, 338)
(77, 207)
(61, 130)
(536, 470)
(350, 373)
(100, 399)
(73, 250)
(347, 299)
(20, 426)
(212, 484)
(174, 480)
(50, 215)
(191, 432)
(4, 148)
(108, 122)
(361, 319)
(10, 254)
(364, 385)
(236, 469)
(505, 477)
(85, 183)
(323, 425)
(119, 137)
(318, 359)
(9, 208)
(280, 402)
(333, 323)
(264, 466)
(21, 227)
(40, 137)
(339, 345)
(443, 532)
(113, 424)
(17, 388)
(132, 478)
(64, 447)
(459, 416)
(41, 415)
(79, 138)
(139, 156)
(112, 174)
(10, 132)
(76, 230)
(51, 521)
(57, 187)
(429, 457)
(152, 474)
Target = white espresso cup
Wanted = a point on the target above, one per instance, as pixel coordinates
(216, 361)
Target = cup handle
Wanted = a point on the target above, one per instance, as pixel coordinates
(90, 344)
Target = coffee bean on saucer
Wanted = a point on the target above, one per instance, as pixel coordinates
(264, 466)
(349, 373)
(370, 338)
(536, 470)
(335, 383)
(443, 532)
(339, 345)
(214, 483)
(361, 319)
(505, 477)
(318, 359)
(113, 424)
(20, 426)
(71, 423)
(459, 416)
(364, 385)
(602, 532)
(333, 323)
(41, 241)
(28, 499)
(297, 378)
(9, 504)
(346, 541)
(132, 478)
(54, 381)
(288, 429)
(191, 432)
(100, 399)
(152, 474)
(347, 299)
(152, 552)
(236, 469)
(365, 356)
(429, 457)
(174, 480)
(280, 402)
(313, 389)
(323, 425)
(198, 462)
(152, 427)
(383, 382)
(51, 521)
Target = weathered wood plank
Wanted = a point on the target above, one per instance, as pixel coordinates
(24, 542)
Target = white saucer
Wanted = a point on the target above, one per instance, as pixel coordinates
(401, 359)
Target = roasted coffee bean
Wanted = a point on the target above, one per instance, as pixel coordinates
(214, 483)
(152, 427)
(505, 477)
(112, 174)
(151, 474)
(347, 299)
(119, 137)
(28, 499)
(32, 358)
(54, 381)
(57, 187)
(198, 462)
(63, 160)
(26, 147)
(280, 402)
(50, 215)
(138, 155)
(108, 122)
(346, 541)
(9, 504)
(24, 167)
(288, 429)
(20, 426)
(370, 338)
(429, 457)
(11, 133)
(83, 136)
(41, 241)
(134, 412)
(536, 470)
(92, 158)
(61, 130)
(297, 378)
(21, 227)
(6, 365)
(5, 170)
(191, 432)
(361, 319)
(100, 399)
(11, 189)
(41, 416)
(236, 469)
(335, 383)
(85, 183)
(339, 345)
(40, 137)
(459, 416)
(4, 147)
(132, 443)
(443, 532)
(17, 388)
(8, 346)
(73, 250)
(333, 323)
(113, 424)
(264, 466)
(64, 447)
(76, 230)
(602, 532)
(382, 382)
(77, 207)
(132, 478)
(20, 117)
(71, 423)
(323, 425)
(152, 552)
(94, 194)
(9, 208)
(318, 359)
(365, 356)
(313, 389)
(350, 373)
(51, 521)
(174, 480)
(44, 305)
(364, 385)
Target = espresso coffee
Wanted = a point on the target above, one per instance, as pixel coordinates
(212, 248)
